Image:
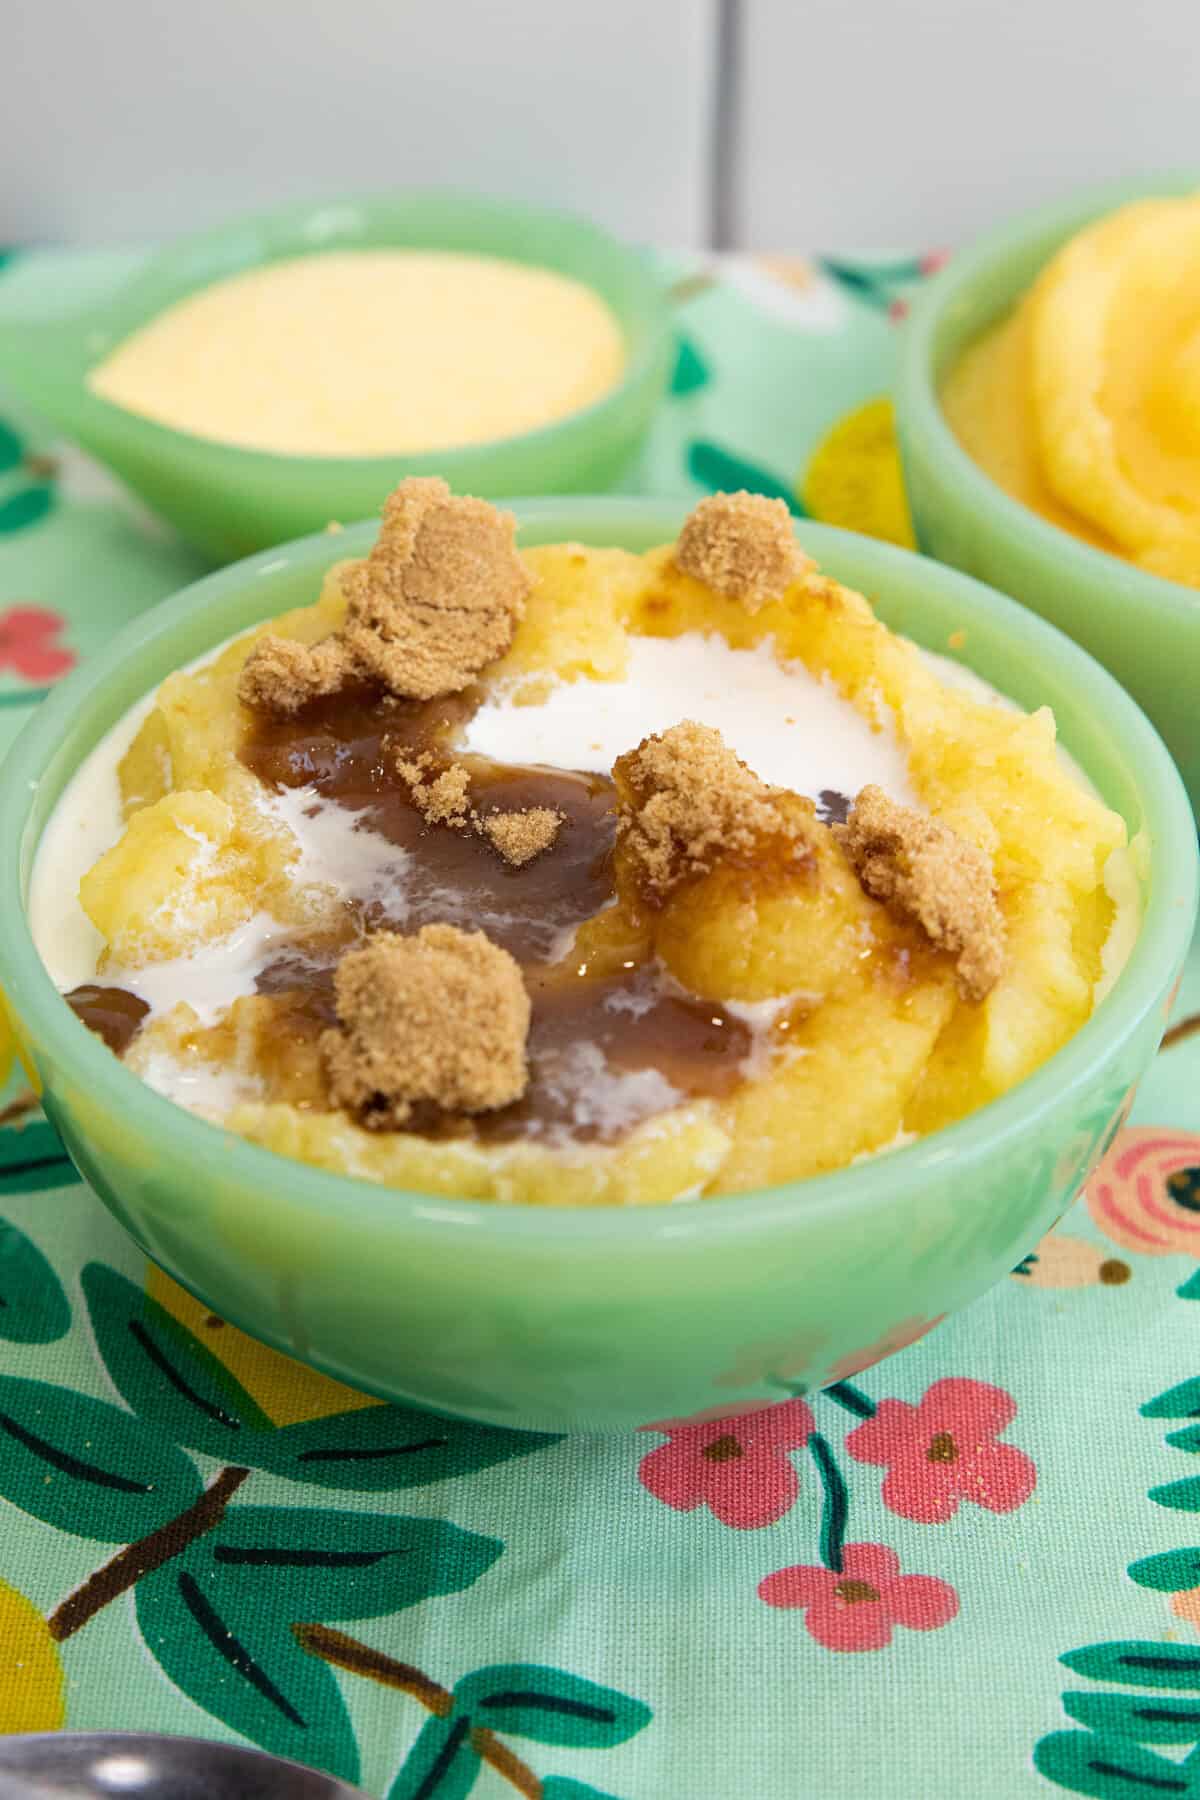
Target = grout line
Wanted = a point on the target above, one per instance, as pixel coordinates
(723, 128)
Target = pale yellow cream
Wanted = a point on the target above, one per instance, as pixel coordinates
(370, 353)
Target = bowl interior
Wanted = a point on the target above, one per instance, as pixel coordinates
(1018, 653)
(414, 220)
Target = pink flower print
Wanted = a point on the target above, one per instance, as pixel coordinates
(897, 309)
(933, 260)
(26, 643)
(1145, 1195)
(909, 1331)
(739, 1468)
(858, 1606)
(946, 1450)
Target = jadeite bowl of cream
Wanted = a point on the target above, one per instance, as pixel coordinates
(281, 372)
(572, 1318)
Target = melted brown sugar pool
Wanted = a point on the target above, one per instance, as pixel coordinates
(113, 1013)
(604, 1051)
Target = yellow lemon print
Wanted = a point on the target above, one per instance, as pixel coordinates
(287, 1391)
(31, 1677)
(8, 1043)
(853, 477)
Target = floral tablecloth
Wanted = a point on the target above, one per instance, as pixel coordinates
(973, 1570)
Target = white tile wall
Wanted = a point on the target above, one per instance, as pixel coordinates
(854, 122)
(128, 119)
(881, 122)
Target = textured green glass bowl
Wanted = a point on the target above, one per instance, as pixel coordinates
(230, 501)
(607, 1318)
(1145, 630)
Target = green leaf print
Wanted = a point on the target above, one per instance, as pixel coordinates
(1135, 1663)
(235, 1657)
(32, 1160)
(691, 371)
(1108, 1768)
(1168, 1572)
(25, 497)
(88, 1467)
(33, 1306)
(561, 1787)
(12, 449)
(166, 1374)
(525, 1699)
(303, 1563)
(1181, 1402)
(875, 281)
(1105, 1759)
(385, 1447)
(724, 472)
(1179, 1496)
(442, 1764)
(28, 506)
(1143, 1717)
(550, 1706)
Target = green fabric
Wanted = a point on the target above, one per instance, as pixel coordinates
(973, 1570)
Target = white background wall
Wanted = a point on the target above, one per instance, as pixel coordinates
(922, 121)
(126, 119)
(853, 122)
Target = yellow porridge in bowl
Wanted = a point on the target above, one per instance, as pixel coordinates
(577, 876)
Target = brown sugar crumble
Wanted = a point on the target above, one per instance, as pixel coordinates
(920, 869)
(438, 1019)
(684, 800)
(441, 792)
(281, 676)
(742, 545)
(440, 594)
(520, 836)
(438, 598)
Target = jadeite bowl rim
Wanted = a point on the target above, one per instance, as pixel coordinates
(652, 300)
(919, 410)
(1142, 985)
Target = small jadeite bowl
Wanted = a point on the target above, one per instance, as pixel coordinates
(610, 1318)
(229, 501)
(1144, 629)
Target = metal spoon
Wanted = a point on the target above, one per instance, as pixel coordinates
(148, 1765)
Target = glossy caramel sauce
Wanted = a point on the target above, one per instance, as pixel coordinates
(343, 749)
(113, 1013)
(605, 1050)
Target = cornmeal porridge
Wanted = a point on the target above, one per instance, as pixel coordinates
(578, 876)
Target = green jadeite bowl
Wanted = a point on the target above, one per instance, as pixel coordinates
(614, 1317)
(1144, 629)
(230, 501)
